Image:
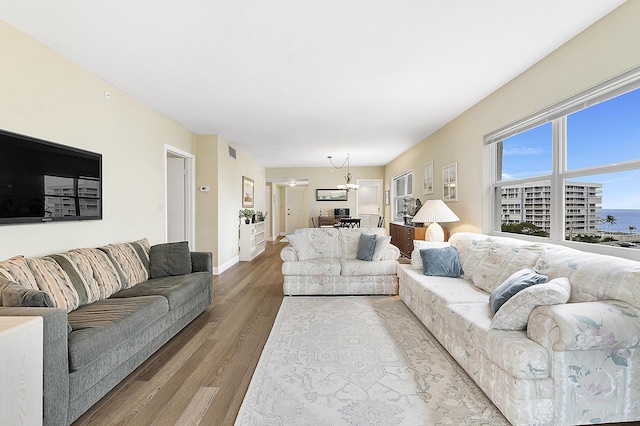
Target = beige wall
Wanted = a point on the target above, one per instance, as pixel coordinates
(46, 96)
(606, 49)
(323, 177)
(217, 211)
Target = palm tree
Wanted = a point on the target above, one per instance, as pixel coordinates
(609, 220)
(631, 228)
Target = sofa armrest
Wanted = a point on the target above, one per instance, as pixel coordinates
(289, 254)
(609, 324)
(55, 392)
(201, 261)
(391, 253)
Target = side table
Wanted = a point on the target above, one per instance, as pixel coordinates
(21, 370)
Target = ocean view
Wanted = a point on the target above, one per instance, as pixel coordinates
(624, 218)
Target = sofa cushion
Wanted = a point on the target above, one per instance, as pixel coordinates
(132, 259)
(503, 258)
(312, 267)
(416, 258)
(99, 327)
(441, 262)
(382, 242)
(438, 292)
(170, 259)
(312, 243)
(514, 314)
(348, 239)
(516, 282)
(355, 267)
(510, 350)
(471, 247)
(366, 247)
(177, 290)
(593, 276)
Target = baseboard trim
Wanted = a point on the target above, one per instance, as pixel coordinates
(226, 265)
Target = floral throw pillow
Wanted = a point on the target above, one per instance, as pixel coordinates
(514, 314)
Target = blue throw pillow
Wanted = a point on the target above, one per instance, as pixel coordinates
(517, 282)
(366, 247)
(441, 262)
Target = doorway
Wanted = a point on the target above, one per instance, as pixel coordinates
(369, 201)
(179, 196)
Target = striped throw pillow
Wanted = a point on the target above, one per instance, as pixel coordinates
(132, 259)
(54, 281)
(93, 275)
(16, 269)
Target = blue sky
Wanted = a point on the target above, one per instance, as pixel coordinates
(605, 133)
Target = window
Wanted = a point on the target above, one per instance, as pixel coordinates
(571, 173)
(402, 195)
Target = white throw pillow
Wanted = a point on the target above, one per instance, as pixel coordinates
(514, 314)
(382, 243)
(302, 246)
(416, 259)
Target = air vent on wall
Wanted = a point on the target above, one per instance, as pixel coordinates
(232, 152)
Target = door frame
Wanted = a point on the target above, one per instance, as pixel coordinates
(190, 193)
(378, 183)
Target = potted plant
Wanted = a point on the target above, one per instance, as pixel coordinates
(260, 217)
(247, 214)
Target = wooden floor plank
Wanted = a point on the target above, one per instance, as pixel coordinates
(197, 407)
(202, 374)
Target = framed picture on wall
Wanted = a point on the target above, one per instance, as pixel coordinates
(450, 182)
(247, 192)
(427, 175)
(331, 195)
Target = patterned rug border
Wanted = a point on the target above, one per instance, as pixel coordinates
(359, 360)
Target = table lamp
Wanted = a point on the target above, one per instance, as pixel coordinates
(435, 211)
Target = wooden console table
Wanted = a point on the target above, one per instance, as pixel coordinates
(402, 236)
(326, 221)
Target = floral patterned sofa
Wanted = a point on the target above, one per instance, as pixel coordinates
(573, 363)
(322, 261)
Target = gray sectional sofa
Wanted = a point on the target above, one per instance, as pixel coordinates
(104, 313)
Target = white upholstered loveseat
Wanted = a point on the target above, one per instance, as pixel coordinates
(322, 261)
(575, 363)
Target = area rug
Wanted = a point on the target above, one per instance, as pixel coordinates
(359, 360)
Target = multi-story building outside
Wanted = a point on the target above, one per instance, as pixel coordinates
(61, 199)
(532, 203)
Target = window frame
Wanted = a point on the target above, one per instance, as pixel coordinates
(394, 195)
(557, 115)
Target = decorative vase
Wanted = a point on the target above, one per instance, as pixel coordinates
(247, 221)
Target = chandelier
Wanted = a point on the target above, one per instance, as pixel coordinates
(347, 177)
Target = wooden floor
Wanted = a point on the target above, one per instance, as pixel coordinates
(202, 374)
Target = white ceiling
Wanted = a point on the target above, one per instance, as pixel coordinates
(290, 82)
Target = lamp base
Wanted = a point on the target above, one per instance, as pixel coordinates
(435, 232)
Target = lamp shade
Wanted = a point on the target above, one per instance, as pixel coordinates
(435, 211)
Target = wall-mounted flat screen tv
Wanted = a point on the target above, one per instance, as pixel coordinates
(42, 181)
